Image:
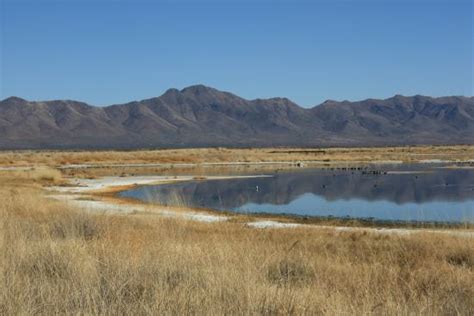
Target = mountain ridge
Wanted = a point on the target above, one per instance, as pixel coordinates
(199, 116)
(256, 99)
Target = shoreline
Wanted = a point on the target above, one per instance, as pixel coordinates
(297, 164)
(103, 195)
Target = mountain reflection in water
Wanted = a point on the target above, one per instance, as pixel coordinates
(408, 193)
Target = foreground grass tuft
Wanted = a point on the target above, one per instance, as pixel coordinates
(288, 272)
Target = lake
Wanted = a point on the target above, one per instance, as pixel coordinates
(424, 193)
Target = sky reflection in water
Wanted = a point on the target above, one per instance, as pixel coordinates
(405, 193)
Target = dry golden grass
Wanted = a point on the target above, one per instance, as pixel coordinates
(206, 155)
(57, 260)
(42, 173)
(35, 175)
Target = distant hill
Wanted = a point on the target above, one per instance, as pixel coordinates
(201, 116)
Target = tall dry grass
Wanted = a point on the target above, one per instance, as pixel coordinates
(41, 174)
(58, 260)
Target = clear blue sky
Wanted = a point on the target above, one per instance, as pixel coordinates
(106, 52)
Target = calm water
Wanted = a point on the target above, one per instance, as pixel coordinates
(401, 193)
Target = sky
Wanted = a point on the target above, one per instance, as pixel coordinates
(109, 51)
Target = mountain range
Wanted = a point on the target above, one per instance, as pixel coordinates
(200, 116)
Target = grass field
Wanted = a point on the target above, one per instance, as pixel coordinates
(56, 259)
(222, 155)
